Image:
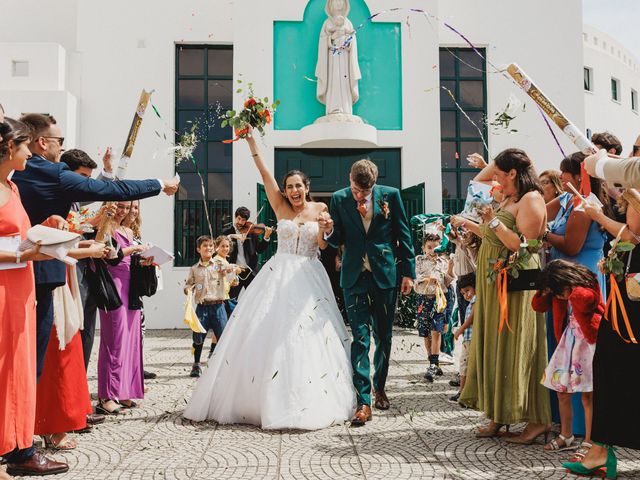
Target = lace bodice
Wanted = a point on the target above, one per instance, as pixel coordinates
(298, 240)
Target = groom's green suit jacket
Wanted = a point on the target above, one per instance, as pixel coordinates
(387, 240)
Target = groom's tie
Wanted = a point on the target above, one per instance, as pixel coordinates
(362, 207)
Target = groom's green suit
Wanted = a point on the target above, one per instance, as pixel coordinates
(370, 292)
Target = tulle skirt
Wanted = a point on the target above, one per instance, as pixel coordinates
(283, 359)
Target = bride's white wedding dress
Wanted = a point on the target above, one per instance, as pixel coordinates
(283, 359)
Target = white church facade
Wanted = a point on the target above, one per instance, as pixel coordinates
(86, 62)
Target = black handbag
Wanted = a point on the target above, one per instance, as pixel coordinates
(101, 286)
(144, 282)
(528, 279)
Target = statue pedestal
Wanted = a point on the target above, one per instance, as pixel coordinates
(339, 130)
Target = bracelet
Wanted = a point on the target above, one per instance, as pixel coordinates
(255, 154)
(17, 256)
(545, 235)
(494, 223)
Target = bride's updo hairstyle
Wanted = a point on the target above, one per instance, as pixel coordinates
(305, 180)
(526, 177)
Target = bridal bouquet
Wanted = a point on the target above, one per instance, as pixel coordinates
(257, 113)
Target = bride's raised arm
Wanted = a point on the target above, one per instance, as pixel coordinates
(276, 200)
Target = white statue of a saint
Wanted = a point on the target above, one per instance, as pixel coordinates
(337, 69)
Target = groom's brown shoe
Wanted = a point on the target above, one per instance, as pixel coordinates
(362, 416)
(381, 400)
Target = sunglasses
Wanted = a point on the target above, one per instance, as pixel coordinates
(59, 139)
(636, 149)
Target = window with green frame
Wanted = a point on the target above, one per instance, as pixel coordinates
(463, 73)
(204, 80)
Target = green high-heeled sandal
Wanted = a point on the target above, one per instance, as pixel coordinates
(610, 466)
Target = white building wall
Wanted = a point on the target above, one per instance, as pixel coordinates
(114, 49)
(43, 89)
(607, 59)
(514, 32)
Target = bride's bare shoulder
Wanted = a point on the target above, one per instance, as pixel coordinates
(319, 207)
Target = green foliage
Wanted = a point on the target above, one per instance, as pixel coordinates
(515, 261)
(613, 263)
(257, 113)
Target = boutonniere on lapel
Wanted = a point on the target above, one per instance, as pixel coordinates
(384, 206)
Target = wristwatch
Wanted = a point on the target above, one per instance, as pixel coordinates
(493, 224)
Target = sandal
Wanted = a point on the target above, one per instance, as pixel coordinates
(107, 407)
(555, 445)
(128, 403)
(529, 439)
(582, 451)
(65, 443)
(492, 430)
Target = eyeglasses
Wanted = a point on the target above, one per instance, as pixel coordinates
(360, 190)
(59, 139)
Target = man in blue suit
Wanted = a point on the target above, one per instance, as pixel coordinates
(47, 187)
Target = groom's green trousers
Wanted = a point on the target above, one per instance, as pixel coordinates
(370, 308)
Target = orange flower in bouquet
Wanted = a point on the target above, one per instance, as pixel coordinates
(256, 113)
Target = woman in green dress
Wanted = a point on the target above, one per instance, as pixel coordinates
(505, 367)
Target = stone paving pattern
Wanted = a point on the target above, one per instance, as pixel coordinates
(423, 435)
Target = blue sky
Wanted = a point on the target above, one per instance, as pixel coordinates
(618, 18)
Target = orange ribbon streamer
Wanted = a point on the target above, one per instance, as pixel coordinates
(585, 186)
(502, 299)
(614, 299)
(239, 134)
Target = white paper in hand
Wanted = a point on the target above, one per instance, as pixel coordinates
(590, 199)
(160, 255)
(54, 243)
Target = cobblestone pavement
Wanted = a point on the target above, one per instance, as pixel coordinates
(423, 435)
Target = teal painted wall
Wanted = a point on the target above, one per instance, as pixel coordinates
(295, 50)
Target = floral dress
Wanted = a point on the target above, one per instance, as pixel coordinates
(570, 368)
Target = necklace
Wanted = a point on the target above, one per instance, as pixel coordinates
(300, 212)
(124, 231)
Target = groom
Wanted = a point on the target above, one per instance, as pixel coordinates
(369, 220)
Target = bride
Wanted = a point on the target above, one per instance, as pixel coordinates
(283, 360)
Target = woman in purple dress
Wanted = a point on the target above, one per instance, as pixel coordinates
(120, 373)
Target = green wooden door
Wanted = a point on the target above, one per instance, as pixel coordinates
(268, 217)
(328, 169)
(413, 201)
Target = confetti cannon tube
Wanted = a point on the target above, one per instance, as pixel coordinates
(548, 107)
(127, 151)
(574, 134)
(105, 223)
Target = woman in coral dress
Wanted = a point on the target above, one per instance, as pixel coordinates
(17, 313)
